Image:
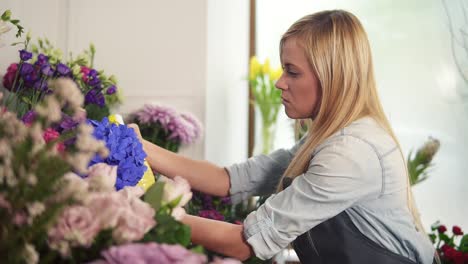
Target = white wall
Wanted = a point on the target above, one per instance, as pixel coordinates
(227, 90)
(420, 88)
(157, 49)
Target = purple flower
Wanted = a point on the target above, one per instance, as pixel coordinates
(94, 82)
(93, 73)
(25, 55)
(211, 214)
(63, 69)
(125, 150)
(29, 117)
(95, 97)
(226, 200)
(40, 85)
(42, 59)
(197, 127)
(68, 123)
(156, 114)
(181, 129)
(151, 253)
(26, 69)
(111, 90)
(28, 74)
(47, 70)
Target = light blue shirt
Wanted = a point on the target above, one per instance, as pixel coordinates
(359, 170)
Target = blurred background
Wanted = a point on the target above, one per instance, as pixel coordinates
(194, 56)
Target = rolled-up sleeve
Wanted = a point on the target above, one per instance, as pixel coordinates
(344, 171)
(260, 174)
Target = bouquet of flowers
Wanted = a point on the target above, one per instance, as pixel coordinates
(28, 79)
(33, 160)
(52, 215)
(452, 249)
(165, 127)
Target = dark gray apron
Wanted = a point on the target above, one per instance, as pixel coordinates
(339, 241)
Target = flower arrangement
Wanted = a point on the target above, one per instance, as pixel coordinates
(267, 98)
(27, 80)
(165, 127)
(419, 163)
(446, 245)
(49, 214)
(32, 164)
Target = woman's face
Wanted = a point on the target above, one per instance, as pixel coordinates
(300, 89)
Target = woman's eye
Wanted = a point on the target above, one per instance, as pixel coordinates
(292, 73)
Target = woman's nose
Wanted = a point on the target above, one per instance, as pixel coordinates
(281, 84)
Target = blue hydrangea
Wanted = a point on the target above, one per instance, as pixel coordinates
(125, 150)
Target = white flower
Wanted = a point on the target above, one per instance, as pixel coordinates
(51, 110)
(178, 213)
(30, 254)
(35, 209)
(67, 90)
(173, 189)
(4, 28)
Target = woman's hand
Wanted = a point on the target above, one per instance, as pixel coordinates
(137, 131)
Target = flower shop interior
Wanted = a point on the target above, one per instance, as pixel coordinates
(192, 75)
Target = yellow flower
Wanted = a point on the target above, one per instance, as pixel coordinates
(255, 68)
(276, 74)
(266, 67)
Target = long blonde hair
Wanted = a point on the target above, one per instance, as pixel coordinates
(338, 51)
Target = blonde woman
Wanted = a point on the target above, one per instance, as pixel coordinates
(342, 193)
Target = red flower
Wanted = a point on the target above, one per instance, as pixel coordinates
(9, 77)
(85, 71)
(445, 248)
(457, 231)
(442, 229)
(50, 135)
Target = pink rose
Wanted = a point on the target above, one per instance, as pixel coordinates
(102, 176)
(9, 77)
(135, 221)
(129, 216)
(107, 208)
(151, 253)
(76, 225)
(130, 192)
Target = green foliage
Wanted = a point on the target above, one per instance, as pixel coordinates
(419, 163)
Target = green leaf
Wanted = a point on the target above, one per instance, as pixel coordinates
(95, 112)
(198, 249)
(154, 195)
(6, 15)
(444, 238)
(464, 244)
(14, 21)
(175, 202)
(433, 238)
(182, 235)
